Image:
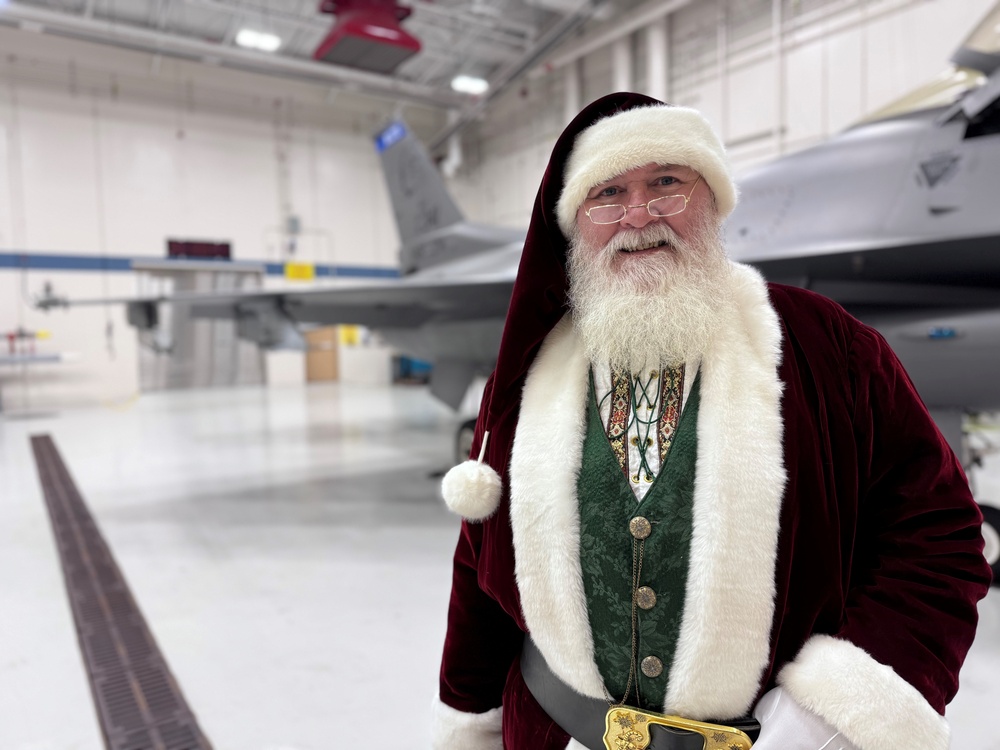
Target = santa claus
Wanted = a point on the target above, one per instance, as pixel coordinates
(696, 494)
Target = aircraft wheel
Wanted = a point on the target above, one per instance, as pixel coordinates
(991, 536)
(463, 440)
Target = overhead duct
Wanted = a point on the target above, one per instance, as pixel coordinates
(367, 35)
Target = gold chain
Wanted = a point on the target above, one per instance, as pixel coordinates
(638, 551)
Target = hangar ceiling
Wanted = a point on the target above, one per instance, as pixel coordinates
(496, 40)
(487, 39)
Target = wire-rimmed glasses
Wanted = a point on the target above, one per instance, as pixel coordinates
(666, 205)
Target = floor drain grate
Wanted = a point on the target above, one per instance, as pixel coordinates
(139, 703)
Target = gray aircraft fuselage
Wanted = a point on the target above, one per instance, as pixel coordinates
(899, 221)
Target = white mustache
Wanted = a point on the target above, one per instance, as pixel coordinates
(653, 234)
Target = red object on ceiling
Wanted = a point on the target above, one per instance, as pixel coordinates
(367, 35)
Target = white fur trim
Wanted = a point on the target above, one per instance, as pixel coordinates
(866, 701)
(457, 730)
(724, 640)
(636, 137)
(545, 522)
(471, 489)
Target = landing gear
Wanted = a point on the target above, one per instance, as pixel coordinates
(991, 536)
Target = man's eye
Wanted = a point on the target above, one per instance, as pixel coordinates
(666, 180)
(607, 192)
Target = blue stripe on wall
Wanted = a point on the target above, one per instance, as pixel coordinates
(49, 262)
(56, 262)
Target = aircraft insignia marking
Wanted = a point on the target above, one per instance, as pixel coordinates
(942, 332)
(393, 134)
(938, 168)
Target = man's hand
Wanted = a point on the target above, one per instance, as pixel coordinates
(785, 725)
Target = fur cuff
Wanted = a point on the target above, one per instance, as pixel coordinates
(453, 730)
(867, 701)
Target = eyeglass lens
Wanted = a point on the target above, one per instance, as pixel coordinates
(668, 205)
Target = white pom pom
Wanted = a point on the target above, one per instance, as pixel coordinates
(472, 489)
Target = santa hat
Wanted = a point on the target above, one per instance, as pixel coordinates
(610, 136)
(658, 134)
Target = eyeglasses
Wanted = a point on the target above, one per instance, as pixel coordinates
(667, 205)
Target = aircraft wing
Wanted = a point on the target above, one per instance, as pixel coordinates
(383, 305)
(409, 303)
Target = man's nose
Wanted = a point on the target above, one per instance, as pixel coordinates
(637, 214)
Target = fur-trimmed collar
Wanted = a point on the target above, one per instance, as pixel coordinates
(723, 646)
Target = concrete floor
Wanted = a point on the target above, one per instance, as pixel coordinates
(290, 554)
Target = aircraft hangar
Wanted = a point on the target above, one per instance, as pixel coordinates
(254, 263)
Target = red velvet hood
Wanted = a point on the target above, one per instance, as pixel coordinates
(539, 297)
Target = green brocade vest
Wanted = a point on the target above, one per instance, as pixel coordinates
(607, 505)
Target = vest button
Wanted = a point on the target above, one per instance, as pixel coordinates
(645, 597)
(639, 527)
(651, 666)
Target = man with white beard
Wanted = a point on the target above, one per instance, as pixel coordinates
(679, 282)
(705, 511)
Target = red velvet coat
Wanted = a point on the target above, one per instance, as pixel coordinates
(877, 545)
(836, 547)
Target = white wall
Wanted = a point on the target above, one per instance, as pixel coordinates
(107, 152)
(835, 61)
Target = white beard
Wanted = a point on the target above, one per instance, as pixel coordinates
(658, 309)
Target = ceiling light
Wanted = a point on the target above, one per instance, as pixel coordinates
(384, 33)
(470, 85)
(258, 40)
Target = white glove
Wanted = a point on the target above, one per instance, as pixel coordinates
(785, 725)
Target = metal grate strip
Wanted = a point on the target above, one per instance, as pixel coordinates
(139, 703)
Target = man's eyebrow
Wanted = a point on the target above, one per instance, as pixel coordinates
(660, 169)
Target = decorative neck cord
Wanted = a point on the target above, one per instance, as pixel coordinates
(646, 422)
(644, 412)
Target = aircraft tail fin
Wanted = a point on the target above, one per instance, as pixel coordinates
(420, 199)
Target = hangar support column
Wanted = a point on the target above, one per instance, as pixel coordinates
(657, 59)
(573, 84)
(622, 64)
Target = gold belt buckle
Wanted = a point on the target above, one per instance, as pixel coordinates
(627, 728)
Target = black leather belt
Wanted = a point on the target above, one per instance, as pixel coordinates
(583, 718)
